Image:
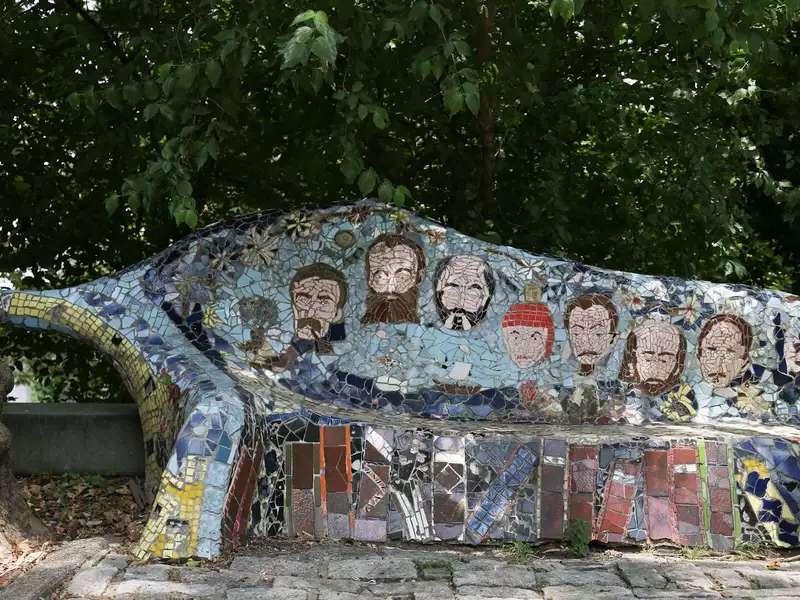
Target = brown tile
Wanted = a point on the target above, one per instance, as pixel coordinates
(336, 467)
(552, 478)
(334, 436)
(303, 456)
(656, 475)
(552, 515)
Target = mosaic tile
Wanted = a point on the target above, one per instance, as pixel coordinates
(361, 372)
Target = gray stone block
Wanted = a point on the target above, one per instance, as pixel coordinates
(585, 592)
(373, 568)
(91, 582)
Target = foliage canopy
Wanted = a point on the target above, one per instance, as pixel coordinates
(658, 137)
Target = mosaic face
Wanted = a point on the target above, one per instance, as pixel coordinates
(394, 268)
(654, 357)
(315, 303)
(464, 288)
(527, 333)
(592, 326)
(724, 349)
(318, 294)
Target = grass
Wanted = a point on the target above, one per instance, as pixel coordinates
(518, 552)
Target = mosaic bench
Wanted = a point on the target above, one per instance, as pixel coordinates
(360, 372)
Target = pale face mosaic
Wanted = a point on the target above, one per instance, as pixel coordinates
(359, 372)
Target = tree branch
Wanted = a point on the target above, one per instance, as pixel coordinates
(109, 39)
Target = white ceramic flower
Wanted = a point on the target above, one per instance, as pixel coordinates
(261, 248)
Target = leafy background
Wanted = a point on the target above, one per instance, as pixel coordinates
(657, 137)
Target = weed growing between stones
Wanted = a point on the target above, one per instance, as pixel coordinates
(518, 552)
(577, 537)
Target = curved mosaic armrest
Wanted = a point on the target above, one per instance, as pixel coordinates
(192, 481)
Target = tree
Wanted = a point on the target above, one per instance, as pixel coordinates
(646, 136)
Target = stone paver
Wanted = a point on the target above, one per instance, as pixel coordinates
(50, 574)
(586, 592)
(91, 582)
(374, 568)
(474, 592)
(351, 571)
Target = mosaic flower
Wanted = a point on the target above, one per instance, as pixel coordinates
(301, 225)
(435, 235)
(260, 249)
(210, 317)
(358, 214)
(255, 311)
(530, 271)
(679, 405)
(634, 300)
(223, 259)
(750, 400)
(690, 309)
(401, 221)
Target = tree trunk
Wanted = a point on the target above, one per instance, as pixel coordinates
(17, 522)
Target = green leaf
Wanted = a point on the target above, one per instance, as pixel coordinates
(114, 98)
(164, 70)
(90, 100)
(367, 181)
(184, 188)
(363, 111)
(185, 77)
(151, 91)
(562, 8)
(453, 100)
(436, 15)
(190, 217)
(718, 38)
(380, 117)
(645, 9)
(150, 111)
(425, 68)
(167, 111)
(399, 197)
(245, 52)
(324, 50)
(462, 47)
(228, 49)
(296, 51)
(112, 203)
(303, 17)
(132, 93)
(472, 97)
(712, 20)
(74, 100)
(320, 20)
(201, 157)
(213, 72)
(351, 166)
(385, 191)
(212, 147)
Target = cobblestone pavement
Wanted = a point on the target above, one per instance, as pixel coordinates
(344, 571)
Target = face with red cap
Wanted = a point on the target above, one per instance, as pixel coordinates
(528, 334)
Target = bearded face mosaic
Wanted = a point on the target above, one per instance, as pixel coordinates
(359, 372)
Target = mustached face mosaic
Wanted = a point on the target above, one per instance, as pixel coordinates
(342, 373)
